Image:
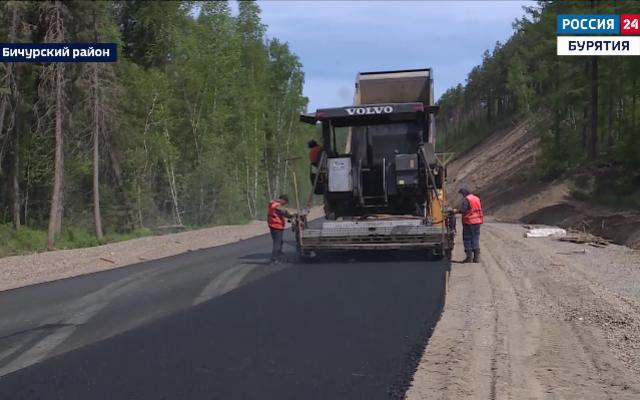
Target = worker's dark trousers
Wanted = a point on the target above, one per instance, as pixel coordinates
(471, 236)
(276, 251)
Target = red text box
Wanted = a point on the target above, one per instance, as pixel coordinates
(630, 24)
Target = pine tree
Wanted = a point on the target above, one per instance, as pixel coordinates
(97, 80)
(52, 91)
(191, 126)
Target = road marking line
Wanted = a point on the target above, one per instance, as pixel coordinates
(81, 311)
(39, 350)
(28, 335)
(223, 283)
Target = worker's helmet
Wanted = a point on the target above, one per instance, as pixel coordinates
(312, 143)
(465, 189)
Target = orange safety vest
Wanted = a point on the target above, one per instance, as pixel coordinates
(274, 219)
(474, 214)
(314, 154)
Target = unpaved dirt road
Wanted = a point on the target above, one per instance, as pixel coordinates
(537, 319)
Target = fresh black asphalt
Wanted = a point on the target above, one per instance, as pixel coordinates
(339, 328)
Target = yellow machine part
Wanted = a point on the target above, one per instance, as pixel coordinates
(437, 200)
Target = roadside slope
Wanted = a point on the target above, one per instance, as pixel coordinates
(501, 171)
(537, 319)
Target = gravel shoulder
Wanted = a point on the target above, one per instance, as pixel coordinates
(537, 319)
(19, 271)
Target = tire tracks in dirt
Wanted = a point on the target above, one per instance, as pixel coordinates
(511, 329)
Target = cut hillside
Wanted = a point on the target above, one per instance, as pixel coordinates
(501, 170)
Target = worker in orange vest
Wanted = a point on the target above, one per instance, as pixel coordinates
(315, 152)
(276, 218)
(472, 218)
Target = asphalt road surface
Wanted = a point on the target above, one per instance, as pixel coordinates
(222, 323)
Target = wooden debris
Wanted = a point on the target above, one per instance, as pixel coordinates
(585, 238)
(570, 253)
(107, 260)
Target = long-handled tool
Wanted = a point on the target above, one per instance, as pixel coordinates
(299, 220)
(291, 164)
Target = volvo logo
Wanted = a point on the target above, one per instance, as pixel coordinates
(369, 110)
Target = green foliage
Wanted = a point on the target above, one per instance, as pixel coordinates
(524, 79)
(21, 240)
(199, 121)
(77, 238)
(26, 240)
(518, 84)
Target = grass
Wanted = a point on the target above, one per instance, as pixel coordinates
(467, 142)
(473, 135)
(27, 240)
(611, 188)
(21, 241)
(612, 199)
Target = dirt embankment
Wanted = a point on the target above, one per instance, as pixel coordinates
(537, 318)
(501, 171)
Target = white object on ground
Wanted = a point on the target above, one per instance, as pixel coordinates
(545, 232)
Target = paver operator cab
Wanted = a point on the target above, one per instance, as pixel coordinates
(382, 183)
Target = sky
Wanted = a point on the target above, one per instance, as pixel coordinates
(337, 39)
